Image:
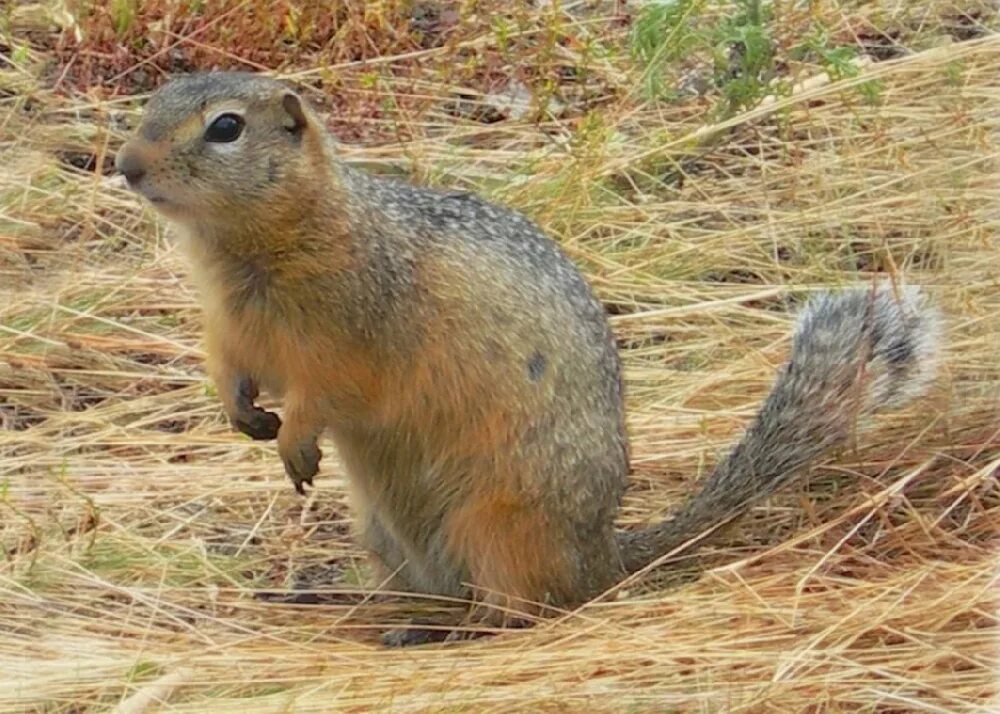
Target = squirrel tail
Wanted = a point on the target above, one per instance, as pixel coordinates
(854, 353)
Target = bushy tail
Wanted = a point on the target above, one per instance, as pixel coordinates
(853, 353)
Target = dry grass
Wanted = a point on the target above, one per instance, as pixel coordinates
(135, 525)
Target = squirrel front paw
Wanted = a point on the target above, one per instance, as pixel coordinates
(259, 424)
(302, 463)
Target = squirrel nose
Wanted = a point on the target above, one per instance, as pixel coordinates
(129, 165)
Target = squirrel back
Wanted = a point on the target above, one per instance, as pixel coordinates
(458, 360)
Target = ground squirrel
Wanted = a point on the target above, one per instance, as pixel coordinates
(455, 356)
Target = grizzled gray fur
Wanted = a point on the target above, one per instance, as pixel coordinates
(853, 353)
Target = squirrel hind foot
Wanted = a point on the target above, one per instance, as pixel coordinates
(418, 632)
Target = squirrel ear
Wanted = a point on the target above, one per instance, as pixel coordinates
(293, 107)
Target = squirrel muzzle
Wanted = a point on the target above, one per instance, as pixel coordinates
(136, 160)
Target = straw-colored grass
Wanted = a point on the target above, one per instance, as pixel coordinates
(135, 525)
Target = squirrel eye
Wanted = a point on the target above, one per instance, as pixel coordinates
(225, 128)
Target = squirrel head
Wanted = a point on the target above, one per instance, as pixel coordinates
(225, 146)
